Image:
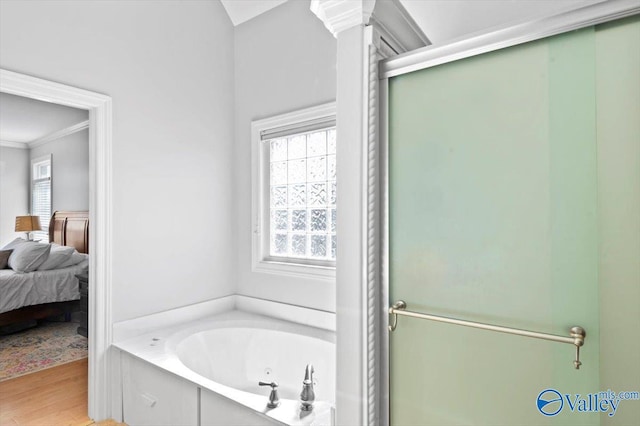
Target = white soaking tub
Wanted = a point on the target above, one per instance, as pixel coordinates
(226, 355)
(268, 355)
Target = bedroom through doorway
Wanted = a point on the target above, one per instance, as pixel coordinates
(44, 287)
(99, 107)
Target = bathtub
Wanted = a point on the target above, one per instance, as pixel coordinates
(226, 355)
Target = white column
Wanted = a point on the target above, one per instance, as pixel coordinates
(367, 31)
(351, 269)
(357, 267)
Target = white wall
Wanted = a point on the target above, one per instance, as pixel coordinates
(69, 169)
(168, 65)
(14, 190)
(285, 60)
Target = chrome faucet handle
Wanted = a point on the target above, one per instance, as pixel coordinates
(274, 401)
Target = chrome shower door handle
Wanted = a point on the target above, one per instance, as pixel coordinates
(398, 306)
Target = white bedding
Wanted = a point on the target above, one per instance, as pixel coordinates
(33, 288)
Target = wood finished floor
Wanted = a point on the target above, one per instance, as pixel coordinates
(53, 397)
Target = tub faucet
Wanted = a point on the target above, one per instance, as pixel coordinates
(307, 396)
(274, 401)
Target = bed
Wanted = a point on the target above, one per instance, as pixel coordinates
(25, 297)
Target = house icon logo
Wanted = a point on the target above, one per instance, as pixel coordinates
(549, 402)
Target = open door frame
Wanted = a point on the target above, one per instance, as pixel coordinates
(100, 219)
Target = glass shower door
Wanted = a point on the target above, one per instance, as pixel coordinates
(493, 218)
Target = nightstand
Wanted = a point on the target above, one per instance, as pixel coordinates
(83, 329)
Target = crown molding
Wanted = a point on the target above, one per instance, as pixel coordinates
(397, 28)
(12, 144)
(47, 138)
(340, 15)
(59, 134)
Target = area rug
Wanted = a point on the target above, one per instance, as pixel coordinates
(45, 346)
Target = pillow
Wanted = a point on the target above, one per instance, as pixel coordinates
(74, 259)
(28, 257)
(15, 243)
(4, 258)
(57, 256)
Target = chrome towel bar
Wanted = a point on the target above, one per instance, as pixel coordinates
(576, 334)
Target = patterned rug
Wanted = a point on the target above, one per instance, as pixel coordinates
(44, 346)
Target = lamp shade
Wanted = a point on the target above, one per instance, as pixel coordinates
(28, 223)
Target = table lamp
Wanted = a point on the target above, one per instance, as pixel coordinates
(28, 224)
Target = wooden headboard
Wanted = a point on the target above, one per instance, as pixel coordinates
(70, 229)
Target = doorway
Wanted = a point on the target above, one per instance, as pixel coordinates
(100, 218)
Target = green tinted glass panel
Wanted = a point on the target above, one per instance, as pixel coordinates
(618, 124)
(493, 199)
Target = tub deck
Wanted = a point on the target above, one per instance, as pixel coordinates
(159, 348)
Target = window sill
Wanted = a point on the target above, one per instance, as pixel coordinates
(327, 273)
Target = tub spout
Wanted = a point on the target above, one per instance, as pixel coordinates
(307, 396)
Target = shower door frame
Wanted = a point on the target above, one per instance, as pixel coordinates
(435, 55)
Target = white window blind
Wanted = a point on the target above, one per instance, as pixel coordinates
(298, 128)
(41, 195)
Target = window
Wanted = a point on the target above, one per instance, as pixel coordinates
(295, 193)
(41, 195)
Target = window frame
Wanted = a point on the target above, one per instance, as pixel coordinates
(44, 222)
(262, 261)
